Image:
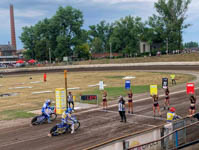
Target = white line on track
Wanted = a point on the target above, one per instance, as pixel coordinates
(158, 118)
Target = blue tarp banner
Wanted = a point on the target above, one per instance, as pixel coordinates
(127, 84)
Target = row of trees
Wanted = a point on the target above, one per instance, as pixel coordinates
(191, 45)
(62, 35)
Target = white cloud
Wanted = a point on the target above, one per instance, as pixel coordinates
(121, 1)
(29, 13)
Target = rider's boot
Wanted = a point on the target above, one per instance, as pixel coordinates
(73, 129)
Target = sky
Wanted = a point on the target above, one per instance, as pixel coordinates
(29, 12)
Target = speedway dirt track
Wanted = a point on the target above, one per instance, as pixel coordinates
(96, 126)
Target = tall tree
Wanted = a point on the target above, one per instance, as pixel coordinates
(28, 38)
(126, 35)
(100, 34)
(58, 35)
(191, 45)
(173, 14)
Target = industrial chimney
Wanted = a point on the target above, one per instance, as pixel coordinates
(12, 25)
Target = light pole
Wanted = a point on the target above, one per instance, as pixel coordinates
(49, 55)
(110, 50)
(167, 46)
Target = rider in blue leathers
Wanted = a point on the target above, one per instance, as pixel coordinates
(45, 108)
(68, 119)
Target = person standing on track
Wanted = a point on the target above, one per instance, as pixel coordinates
(166, 102)
(192, 108)
(173, 80)
(70, 100)
(130, 102)
(156, 105)
(104, 99)
(121, 109)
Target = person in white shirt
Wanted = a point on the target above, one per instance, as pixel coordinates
(70, 100)
(121, 109)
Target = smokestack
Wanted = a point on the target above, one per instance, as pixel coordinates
(12, 25)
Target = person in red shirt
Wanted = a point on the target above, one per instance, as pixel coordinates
(130, 102)
(44, 77)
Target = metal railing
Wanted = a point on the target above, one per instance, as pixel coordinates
(174, 139)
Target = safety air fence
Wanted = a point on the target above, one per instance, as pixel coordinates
(165, 137)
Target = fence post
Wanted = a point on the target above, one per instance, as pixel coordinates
(176, 139)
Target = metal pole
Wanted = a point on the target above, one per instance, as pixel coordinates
(110, 50)
(97, 101)
(176, 139)
(167, 46)
(65, 78)
(49, 55)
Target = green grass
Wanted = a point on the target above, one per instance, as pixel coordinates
(16, 114)
(115, 92)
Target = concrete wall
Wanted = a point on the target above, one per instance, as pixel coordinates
(114, 146)
(146, 138)
(135, 141)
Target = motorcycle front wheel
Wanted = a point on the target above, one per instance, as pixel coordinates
(54, 131)
(77, 125)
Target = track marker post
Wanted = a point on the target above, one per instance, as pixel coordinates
(65, 78)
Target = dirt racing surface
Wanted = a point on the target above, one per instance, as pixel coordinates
(97, 126)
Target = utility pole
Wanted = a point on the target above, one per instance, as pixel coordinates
(110, 50)
(49, 55)
(167, 46)
(65, 78)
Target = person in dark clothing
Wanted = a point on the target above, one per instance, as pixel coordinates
(166, 102)
(130, 102)
(156, 105)
(104, 99)
(192, 108)
(70, 100)
(121, 109)
(195, 116)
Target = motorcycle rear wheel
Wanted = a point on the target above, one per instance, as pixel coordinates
(53, 116)
(34, 121)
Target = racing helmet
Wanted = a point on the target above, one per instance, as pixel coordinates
(48, 101)
(69, 110)
(172, 109)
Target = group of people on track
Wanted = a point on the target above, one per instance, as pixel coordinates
(171, 115)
